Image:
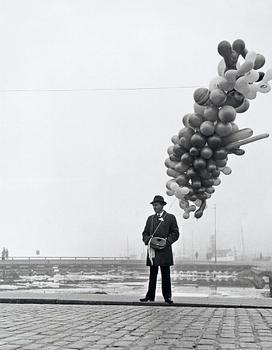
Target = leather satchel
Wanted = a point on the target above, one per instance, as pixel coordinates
(157, 243)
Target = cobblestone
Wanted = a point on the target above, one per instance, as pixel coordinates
(79, 327)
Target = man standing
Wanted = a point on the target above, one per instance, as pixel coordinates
(163, 225)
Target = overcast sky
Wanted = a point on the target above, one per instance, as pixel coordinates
(78, 168)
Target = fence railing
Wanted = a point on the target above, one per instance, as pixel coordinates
(78, 258)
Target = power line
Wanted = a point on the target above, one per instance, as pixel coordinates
(101, 89)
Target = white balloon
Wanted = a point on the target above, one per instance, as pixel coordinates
(170, 192)
(174, 186)
(217, 182)
(186, 215)
(169, 183)
(184, 190)
(226, 170)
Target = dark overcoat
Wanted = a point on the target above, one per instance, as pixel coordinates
(168, 229)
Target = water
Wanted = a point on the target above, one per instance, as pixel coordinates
(121, 284)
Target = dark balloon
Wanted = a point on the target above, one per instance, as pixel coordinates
(186, 158)
(198, 140)
(234, 99)
(191, 173)
(199, 163)
(220, 153)
(194, 151)
(214, 141)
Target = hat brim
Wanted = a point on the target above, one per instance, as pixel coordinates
(161, 202)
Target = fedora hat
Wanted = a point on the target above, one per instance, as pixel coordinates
(158, 199)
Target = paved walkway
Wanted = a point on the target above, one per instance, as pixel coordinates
(44, 321)
(47, 297)
(70, 327)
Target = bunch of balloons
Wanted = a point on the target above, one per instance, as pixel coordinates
(199, 153)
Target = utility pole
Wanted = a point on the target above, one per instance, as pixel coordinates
(215, 254)
(242, 241)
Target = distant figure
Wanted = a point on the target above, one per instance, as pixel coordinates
(196, 255)
(161, 225)
(6, 254)
(3, 254)
(209, 256)
(261, 256)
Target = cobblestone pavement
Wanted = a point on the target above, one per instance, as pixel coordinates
(70, 327)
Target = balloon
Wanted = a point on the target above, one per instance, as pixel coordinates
(170, 164)
(196, 183)
(234, 99)
(195, 120)
(174, 186)
(216, 173)
(206, 152)
(198, 202)
(175, 139)
(210, 190)
(184, 190)
(227, 114)
(199, 163)
(235, 127)
(191, 173)
(218, 97)
(221, 163)
(181, 167)
(237, 144)
(179, 194)
(214, 141)
(199, 212)
(178, 150)
(237, 136)
(231, 75)
(223, 129)
(186, 215)
(185, 120)
(169, 183)
(238, 151)
(198, 140)
(207, 128)
(172, 173)
(226, 170)
(204, 174)
(201, 96)
(244, 106)
(239, 46)
(191, 208)
(221, 68)
(185, 135)
(230, 57)
(199, 109)
(183, 204)
(211, 165)
(217, 182)
(170, 150)
(194, 151)
(220, 153)
(182, 180)
(211, 113)
(199, 153)
(259, 61)
(186, 158)
(170, 192)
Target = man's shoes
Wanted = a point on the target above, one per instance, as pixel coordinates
(146, 299)
(169, 301)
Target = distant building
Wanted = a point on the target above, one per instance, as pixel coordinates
(224, 255)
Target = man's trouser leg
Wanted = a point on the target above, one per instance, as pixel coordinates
(152, 282)
(166, 282)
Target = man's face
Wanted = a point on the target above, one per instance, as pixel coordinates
(158, 207)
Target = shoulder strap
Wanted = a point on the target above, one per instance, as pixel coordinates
(158, 225)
